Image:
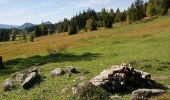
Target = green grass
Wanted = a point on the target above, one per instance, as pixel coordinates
(146, 44)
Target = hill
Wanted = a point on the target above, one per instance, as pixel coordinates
(145, 44)
(26, 25)
(4, 26)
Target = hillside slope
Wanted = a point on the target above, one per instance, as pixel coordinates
(146, 44)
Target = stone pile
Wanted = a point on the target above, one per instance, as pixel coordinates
(122, 77)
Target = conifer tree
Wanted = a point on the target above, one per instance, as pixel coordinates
(118, 16)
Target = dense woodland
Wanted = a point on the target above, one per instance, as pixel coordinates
(91, 20)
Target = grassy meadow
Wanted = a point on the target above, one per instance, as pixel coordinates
(146, 44)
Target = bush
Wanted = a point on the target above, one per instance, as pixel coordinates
(58, 50)
(91, 92)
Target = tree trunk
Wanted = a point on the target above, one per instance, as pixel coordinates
(1, 63)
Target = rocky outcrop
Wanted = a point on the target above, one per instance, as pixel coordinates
(1, 63)
(57, 72)
(145, 94)
(123, 77)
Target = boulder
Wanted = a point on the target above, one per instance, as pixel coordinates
(30, 80)
(145, 94)
(57, 72)
(71, 69)
(78, 87)
(8, 85)
(1, 63)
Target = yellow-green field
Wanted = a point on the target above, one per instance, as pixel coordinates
(145, 43)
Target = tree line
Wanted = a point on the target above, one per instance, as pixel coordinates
(91, 20)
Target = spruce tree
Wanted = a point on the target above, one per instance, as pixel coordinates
(118, 16)
(72, 27)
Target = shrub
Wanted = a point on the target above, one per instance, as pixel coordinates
(91, 92)
(58, 50)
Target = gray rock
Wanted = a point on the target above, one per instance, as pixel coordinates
(116, 97)
(167, 86)
(35, 70)
(77, 87)
(57, 72)
(1, 63)
(71, 69)
(30, 80)
(145, 94)
(8, 85)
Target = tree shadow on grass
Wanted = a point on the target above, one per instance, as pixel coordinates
(23, 63)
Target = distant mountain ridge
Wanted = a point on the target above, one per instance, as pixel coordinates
(5, 26)
(25, 25)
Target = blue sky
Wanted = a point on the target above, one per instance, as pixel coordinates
(18, 12)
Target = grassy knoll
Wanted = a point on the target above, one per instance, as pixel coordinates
(146, 44)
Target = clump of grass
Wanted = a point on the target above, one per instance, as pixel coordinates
(91, 92)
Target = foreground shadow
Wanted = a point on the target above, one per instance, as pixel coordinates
(14, 65)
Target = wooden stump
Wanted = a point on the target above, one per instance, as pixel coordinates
(1, 63)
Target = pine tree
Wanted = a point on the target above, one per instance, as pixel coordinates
(118, 16)
(112, 15)
(4, 35)
(14, 33)
(72, 27)
(25, 35)
(107, 21)
(165, 5)
(44, 29)
(38, 31)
